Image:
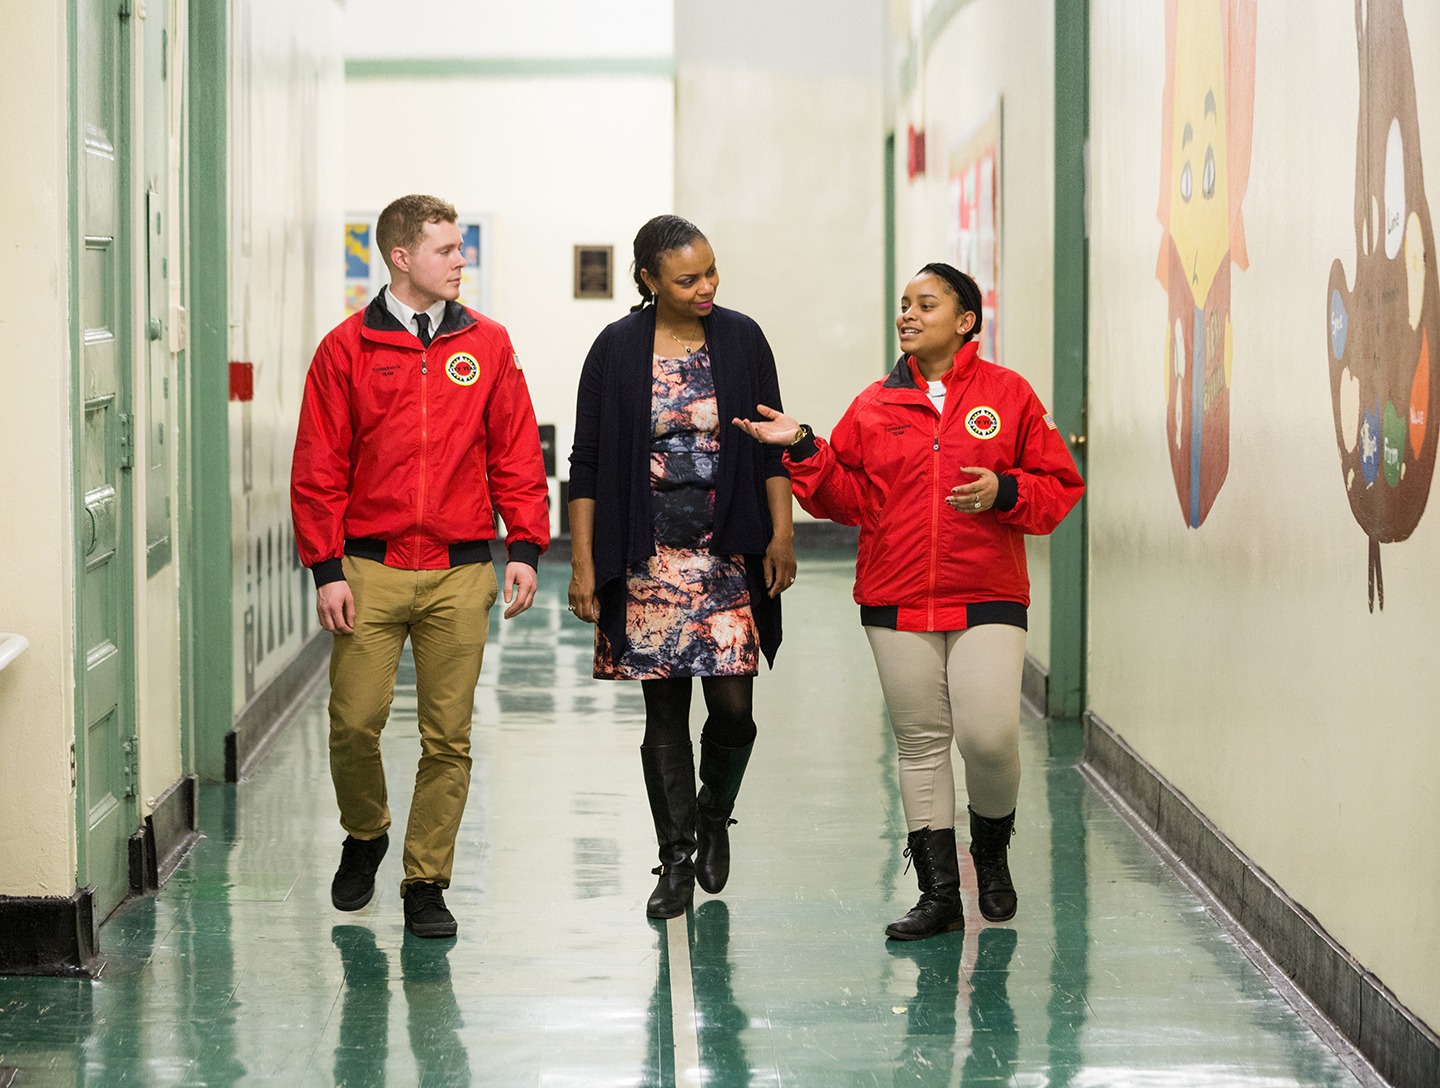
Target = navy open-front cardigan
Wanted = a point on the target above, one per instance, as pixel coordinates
(610, 460)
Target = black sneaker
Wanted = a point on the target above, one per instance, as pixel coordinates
(354, 881)
(425, 911)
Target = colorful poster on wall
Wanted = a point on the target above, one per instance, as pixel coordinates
(365, 271)
(1206, 118)
(974, 200)
(1380, 332)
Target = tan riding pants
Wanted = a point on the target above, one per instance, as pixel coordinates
(446, 615)
(946, 688)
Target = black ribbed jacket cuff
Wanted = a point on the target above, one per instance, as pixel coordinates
(327, 571)
(524, 551)
(1009, 493)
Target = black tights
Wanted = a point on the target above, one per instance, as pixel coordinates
(728, 706)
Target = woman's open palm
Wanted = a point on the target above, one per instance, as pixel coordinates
(776, 429)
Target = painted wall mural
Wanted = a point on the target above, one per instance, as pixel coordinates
(1380, 331)
(1206, 119)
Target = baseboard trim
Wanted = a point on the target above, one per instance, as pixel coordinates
(49, 935)
(265, 717)
(1401, 1047)
(166, 836)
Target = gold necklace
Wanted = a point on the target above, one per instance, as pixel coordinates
(689, 351)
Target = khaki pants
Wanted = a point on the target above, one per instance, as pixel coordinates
(446, 615)
(953, 688)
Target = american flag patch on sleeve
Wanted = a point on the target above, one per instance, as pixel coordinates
(1049, 421)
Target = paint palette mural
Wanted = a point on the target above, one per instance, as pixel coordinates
(1206, 120)
(1382, 330)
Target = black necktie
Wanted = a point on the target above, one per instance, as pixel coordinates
(422, 323)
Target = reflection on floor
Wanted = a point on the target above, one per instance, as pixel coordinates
(241, 973)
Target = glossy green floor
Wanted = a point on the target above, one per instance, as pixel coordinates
(240, 972)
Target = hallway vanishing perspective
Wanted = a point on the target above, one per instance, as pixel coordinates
(240, 972)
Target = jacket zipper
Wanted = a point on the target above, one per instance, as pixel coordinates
(934, 528)
(424, 443)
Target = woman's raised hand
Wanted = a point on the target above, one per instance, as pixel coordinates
(776, 429)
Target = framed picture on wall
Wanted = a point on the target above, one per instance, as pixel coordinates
(974, 221)
(365, 271)
(593, 265)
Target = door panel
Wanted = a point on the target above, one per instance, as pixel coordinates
(105, 747)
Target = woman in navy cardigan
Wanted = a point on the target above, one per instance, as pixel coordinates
(682, 539)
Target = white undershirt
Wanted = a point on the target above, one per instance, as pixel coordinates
(936, 394)
(406, 316)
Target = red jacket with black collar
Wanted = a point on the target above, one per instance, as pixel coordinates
(404, 451)
(888, 466)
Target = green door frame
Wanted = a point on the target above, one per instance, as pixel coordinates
(1068, 545)
(207, 606)
(892, 343)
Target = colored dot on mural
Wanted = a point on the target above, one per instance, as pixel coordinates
(1370, 446)
(1393, 444)
(1339, 325)
(1420, 397)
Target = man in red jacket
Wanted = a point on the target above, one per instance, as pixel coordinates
(416, 424)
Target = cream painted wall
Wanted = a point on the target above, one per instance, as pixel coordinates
(991, 51)
(37, 725)
(557, 28)
(286, 163)
(585, 162)
(157, 621)
(1240, 658)
(779, 159)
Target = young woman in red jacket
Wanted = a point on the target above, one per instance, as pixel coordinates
(944, 465)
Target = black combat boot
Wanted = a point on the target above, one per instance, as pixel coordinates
(670, 784)
(937, 870)
(990, 847)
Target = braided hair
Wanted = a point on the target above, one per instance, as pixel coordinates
(965, 289)
(659, 235)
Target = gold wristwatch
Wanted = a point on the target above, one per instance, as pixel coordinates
(802, 432)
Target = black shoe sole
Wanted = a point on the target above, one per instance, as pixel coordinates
(949, 927)
(432, 929)
(353, 904)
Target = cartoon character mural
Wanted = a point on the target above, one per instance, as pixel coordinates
(1206, 121)
(1381, 331)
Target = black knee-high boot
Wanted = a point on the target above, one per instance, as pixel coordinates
(990, 847)
(937, 871)
(721, 770)
(670, 784)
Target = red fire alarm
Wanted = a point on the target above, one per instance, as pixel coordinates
(242, 381)
(915, 152)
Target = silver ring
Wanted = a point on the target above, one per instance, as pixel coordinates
(571, 607)
(977, 502)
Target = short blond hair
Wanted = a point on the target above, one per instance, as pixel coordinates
(402, 223)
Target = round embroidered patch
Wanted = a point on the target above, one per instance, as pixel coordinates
(983, 422)
(462, 368)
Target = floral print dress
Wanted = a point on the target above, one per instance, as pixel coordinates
(687, 609)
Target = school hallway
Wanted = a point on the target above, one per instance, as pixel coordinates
(240, 972)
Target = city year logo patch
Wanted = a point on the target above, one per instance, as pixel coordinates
(462, 368)
(983, 422)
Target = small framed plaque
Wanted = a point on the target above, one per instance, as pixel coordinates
(593, 265)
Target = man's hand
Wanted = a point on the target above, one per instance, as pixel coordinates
(520, 583)
(335, 605)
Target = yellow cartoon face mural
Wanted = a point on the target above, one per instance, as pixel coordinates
(1205, 165)
(1381, 332)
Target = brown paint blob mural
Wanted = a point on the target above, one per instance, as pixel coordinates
(1382, 332)
(1206, 117)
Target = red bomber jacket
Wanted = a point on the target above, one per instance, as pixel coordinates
(403, 452)
(891, 461)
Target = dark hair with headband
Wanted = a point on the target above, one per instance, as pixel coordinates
(660, 235)
(966, 291)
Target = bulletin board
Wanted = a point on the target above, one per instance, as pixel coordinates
(365, 271)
